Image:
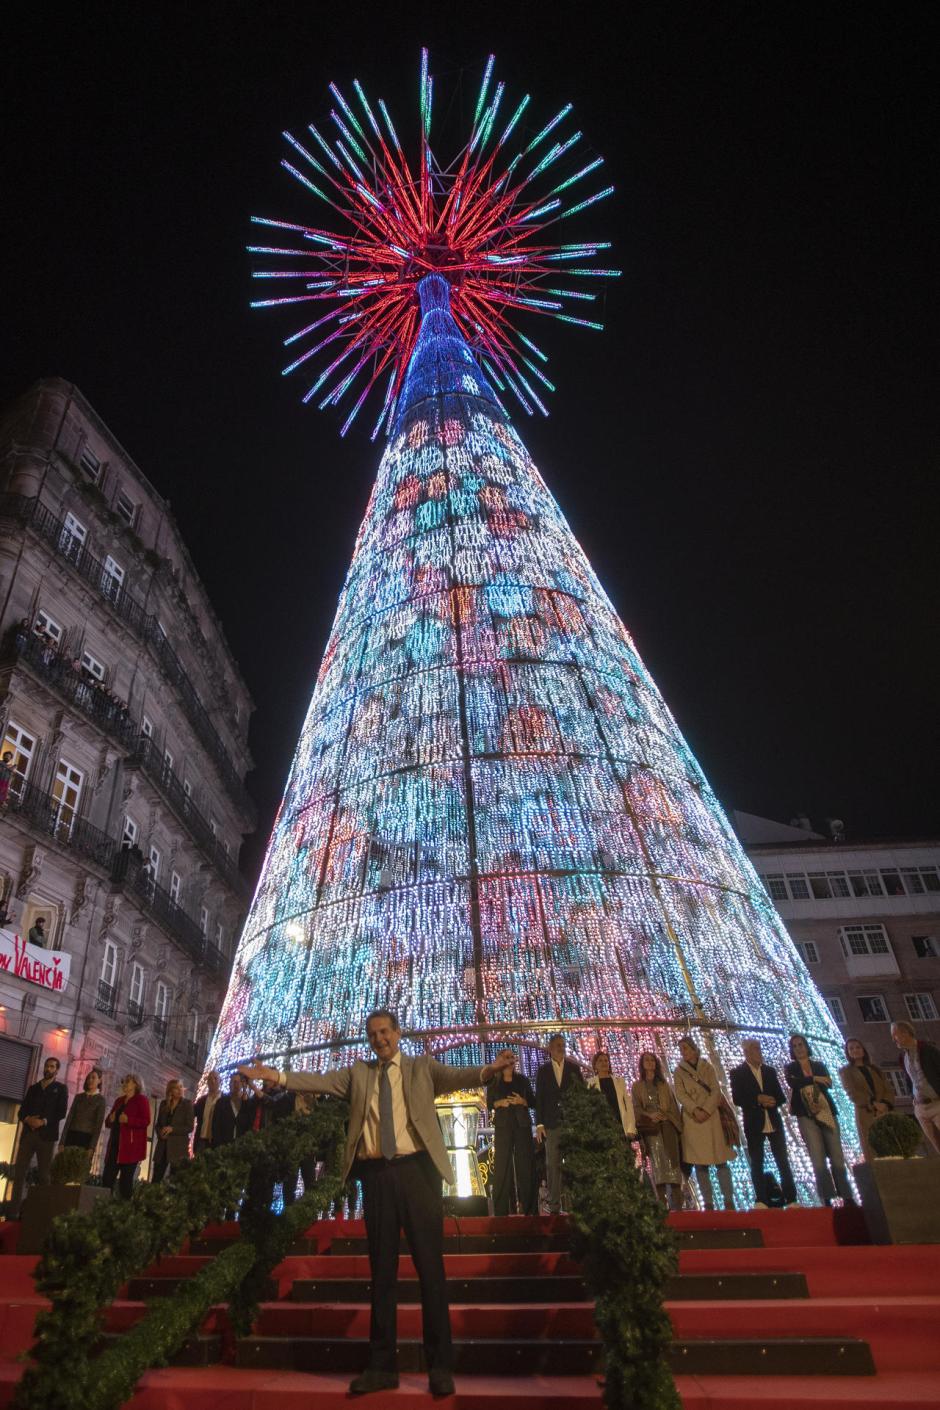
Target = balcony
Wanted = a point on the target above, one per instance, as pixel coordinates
(88, 699)
(146, 756)
(30, 512)
(106, 998)
(135, 1013)
(112, 718)
(46, 813)
(131, 876)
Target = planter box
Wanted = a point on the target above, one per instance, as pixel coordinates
(45, 1202)
(901, 1200)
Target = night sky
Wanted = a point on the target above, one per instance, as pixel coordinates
(747, 453)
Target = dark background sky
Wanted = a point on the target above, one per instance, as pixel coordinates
(748, 453)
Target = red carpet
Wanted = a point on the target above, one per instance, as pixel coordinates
(887, 1298)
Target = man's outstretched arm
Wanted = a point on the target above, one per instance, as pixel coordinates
(455, 1079)
(334, 1084)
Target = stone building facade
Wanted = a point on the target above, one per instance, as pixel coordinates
(865, 916)
(124, 723)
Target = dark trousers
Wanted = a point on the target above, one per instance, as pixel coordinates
(125, 1179)
(778, 1146)
(406, 1194)
(513, 1168)
(32, 1143)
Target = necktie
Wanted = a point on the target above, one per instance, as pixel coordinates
(386, 1115)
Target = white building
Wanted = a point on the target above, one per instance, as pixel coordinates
(865, 916)
(124, 813)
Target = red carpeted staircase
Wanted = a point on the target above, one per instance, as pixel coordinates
(770, 1309)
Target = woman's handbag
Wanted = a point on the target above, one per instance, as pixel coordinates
(729, 1122)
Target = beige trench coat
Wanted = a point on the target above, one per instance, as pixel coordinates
(703, 1142)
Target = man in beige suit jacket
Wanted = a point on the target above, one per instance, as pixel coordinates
(395, 1148)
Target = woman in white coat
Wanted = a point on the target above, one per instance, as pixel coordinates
(703, 1137)
(616, 1091)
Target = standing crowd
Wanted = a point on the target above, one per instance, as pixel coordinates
(689, 1125)
(180, 1129)
(683, 1126)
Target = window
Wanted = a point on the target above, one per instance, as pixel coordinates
(107, 982)
(225, 847)
(187, 788)
(776, 886)
(67, 791)
(109, 963)
(213, 827)
(45, 626)
(20, 744)
(203, 920)
(866, 883)
(90, 464)
(146, 727)
(135, 1004)
(112, 578)
(864, 940)
(837, 1010)
(873, 1008)
(92, 666)
(921, 879)
(155, 859)
(838, 883)
(819, 885)
(129, 832)
(175, 883)
(126, 507)
(892, 883)
(925, 947)
(72, 537)
(168, 761)
(219, 937)
(161, 1007)
(808, 951)
(920, 1007)
(899, 1081)
(798, 887)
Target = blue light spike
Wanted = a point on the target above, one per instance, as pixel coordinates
(348, 111)
(487, 74)
(366, 108)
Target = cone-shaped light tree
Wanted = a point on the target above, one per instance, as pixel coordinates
(492, 823)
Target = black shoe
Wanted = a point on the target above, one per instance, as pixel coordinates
(440, 1383)
(371, 1381)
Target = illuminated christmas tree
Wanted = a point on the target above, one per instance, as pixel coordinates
(492, 822)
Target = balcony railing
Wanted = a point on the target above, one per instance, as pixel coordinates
(30, 511)
(146, 756)
(129, 874)
(135, 1013)
(112, 717)
(106, 998)
(47, 814)
(89, 699)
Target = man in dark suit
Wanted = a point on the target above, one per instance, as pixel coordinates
(395, 1147)
(755, 1088)
(233, 1113)
(553, 1079)
(42, 1109)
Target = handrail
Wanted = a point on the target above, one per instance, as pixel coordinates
(46, 813)
(488, 1032)
(130, 873)
(31, 512)
(87, 1257)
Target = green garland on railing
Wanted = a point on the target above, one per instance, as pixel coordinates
(620, 1236)
(88, 1257)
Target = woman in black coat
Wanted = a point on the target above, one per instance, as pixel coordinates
(509, 1096)
(816, 1117)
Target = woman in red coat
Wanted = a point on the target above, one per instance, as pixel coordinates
(131, 1115)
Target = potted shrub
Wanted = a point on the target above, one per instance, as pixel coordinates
(66, 1192)
(900, 1191)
